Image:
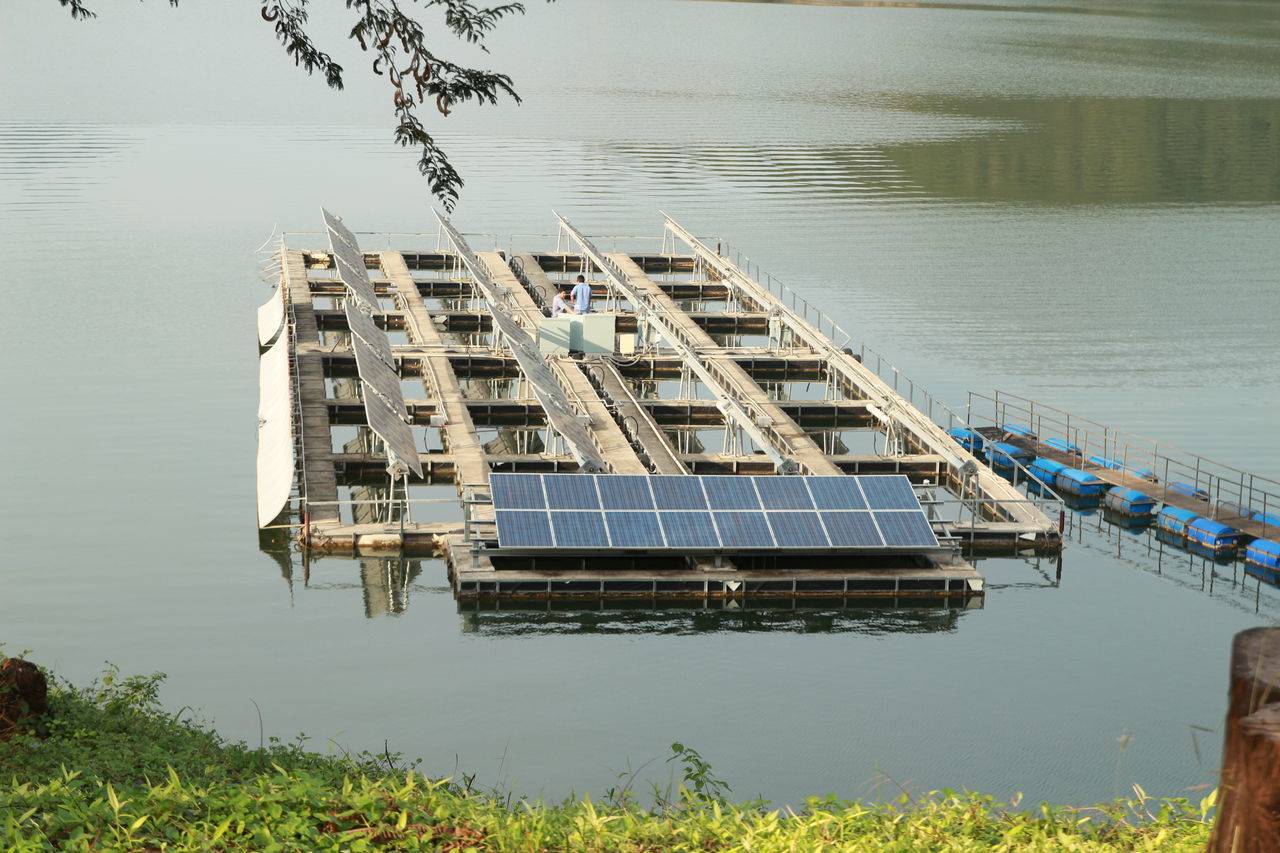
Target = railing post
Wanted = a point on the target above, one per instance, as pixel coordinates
(1248, 821)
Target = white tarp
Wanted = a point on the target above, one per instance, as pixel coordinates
(271, 317)
(275, 432)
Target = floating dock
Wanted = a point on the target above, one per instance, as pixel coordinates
(625, 425)
(1169, 476)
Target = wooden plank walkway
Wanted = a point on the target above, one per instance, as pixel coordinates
(472, 470)
(319, 482)
(604, 431)
(790, 438)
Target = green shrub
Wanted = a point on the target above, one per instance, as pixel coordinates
(115, 772)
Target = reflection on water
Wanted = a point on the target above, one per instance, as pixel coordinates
(1174, 558)
(385, 582)
(1059, 150)
(871, 616)
(1088, 150)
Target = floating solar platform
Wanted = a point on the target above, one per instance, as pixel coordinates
(606, 501)
(582, 513)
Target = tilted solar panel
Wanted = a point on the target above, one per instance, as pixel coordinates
(728, 492)
(375, 371)
(906, 529)
(797, 530)
(889, 491)
(394, 431)
(783, 492)
(743, 529)
(634, 530)
(852, 529)
(575, 529)
(362, 326)
(663, 513)
(571, 491)
(349, 260)
(517, 491)
(839, 492)
(523, 528)
(689, 529)
(676, 492)
(624, 491)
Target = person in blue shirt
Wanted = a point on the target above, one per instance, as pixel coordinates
(582, 296)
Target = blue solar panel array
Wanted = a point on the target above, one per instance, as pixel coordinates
(607, 511)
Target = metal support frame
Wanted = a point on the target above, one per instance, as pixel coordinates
(883, 405)
(726, 402)
(562, 419)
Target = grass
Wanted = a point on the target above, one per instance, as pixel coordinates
(114, 771)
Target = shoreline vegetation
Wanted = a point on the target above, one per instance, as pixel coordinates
(109, 769)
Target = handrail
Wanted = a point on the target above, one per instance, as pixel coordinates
(1225, 484)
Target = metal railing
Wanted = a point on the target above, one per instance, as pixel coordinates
(1229, 491)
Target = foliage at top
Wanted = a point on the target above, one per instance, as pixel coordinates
(402, 53)
(114, 772)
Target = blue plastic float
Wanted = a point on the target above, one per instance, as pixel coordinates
(969, 439)
(1129, 501)
(1002, 455)
(1047, 470)
(1175, 520)
(1268, 518)
(1079, 483)
(1189, 490)
(1018, 429)
(1263, 553)
(1213, 535)
(1262, 560)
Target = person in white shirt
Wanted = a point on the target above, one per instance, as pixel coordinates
(560, 304)
(582, 296)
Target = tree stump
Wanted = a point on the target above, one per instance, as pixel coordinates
(23, 695)
(1249, 790)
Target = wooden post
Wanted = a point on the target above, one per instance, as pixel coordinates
(1249, 790)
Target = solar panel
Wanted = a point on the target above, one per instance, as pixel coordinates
(571, 491)
(634, 529)
(689, 530)
(836, 493)
(906, 530)
(797, 530)
(555, 511)
(517, 491)
(363, 327)
(575, 529)
(625, 491)
(889, 491)
(349, 260)
(852, 530)
(523, 529)
(743, 529)
(374, 370)
(395, 432)
(783, 492)
(676, 492)
(726, 492)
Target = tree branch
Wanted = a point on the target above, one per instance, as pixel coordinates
(400, 52)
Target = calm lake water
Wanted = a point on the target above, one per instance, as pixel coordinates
(1075, 202)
